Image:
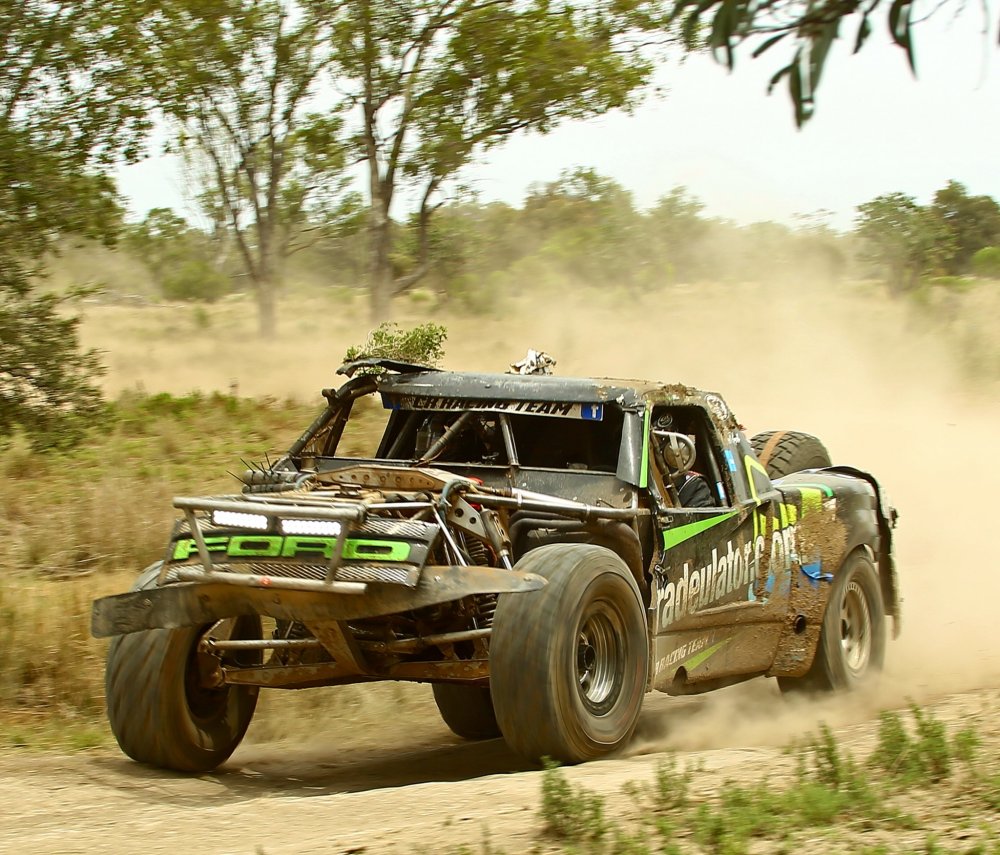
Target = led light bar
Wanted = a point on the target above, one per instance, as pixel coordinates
(320, 527)
(240, 520)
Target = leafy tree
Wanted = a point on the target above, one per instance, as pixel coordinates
(47, 384)
(973, 222)
(69, 105)
(586, 225)
(432, 83)
(903, 239)
(181, 258)
(240, 79)
(808, 29)
(676, 230)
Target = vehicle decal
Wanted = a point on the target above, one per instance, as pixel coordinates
(593, 412)
(644, 465)
(293, 546)
(812, 488)
(674, 536)
(731, 569)
(814, 573)
(704, 655)
(751, 463)
(786, 515)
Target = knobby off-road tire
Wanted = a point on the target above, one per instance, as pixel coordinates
(852, 639)
(467, 710)
(159, 712)
(568, 663)
(782, 452)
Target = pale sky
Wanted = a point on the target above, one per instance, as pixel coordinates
(876, 130)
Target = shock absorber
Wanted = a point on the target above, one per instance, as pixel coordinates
(476, 550)
(498, 537)
(486, 606)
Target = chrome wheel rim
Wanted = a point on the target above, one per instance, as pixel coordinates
(600, 657)
(855, 629)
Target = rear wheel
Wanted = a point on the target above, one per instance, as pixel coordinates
(568, 663)
(782, 452)
(852, 639)
(467, 710)
(159, 707)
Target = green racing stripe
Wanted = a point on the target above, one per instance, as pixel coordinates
(703, 655)
(644, 464)
(674, 536)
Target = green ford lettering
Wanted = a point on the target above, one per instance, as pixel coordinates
(294, 546)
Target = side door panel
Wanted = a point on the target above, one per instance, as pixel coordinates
(719, 599)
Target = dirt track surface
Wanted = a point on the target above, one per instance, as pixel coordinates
(430, 794)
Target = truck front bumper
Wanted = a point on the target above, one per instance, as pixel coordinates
(182, 604)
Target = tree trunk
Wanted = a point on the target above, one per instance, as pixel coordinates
(267, 324)
(266, 283)
(381, 267)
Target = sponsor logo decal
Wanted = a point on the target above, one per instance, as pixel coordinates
(732, 567)
(293, 546)
(690, 654)
(739, 564)
(590, 412)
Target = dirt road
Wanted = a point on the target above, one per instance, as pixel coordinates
(413, 793)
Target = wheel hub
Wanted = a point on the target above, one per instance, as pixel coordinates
(600, 657)
(586, 657)
(855, 628)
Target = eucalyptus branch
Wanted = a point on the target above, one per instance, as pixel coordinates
(223, 186)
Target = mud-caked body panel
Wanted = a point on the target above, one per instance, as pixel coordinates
(743, 590)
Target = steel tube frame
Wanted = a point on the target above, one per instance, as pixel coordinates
(283, 583)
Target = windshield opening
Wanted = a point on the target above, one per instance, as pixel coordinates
(471, 437)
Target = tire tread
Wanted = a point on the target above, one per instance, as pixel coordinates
(793, 452)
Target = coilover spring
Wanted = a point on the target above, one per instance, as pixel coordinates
(486, 606)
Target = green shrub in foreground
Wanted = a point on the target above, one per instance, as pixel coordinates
(927, 755)
(573, 814)
(986, 262)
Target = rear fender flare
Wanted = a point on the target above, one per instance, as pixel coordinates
(800, 638)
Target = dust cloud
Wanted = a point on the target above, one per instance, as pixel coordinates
(881, 389)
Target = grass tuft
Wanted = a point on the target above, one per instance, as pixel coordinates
(572, 814)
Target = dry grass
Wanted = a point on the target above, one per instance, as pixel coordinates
(51, 672)
(82, 524)
(106, 505)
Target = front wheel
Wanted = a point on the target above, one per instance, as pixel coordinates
(160, 710)
(569, 662)
(467, 710)
(852, 639)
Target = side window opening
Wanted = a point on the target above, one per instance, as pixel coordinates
(692, 422)
(364, 426)
(545, 442)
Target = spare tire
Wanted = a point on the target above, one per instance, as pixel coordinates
(782, 452)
